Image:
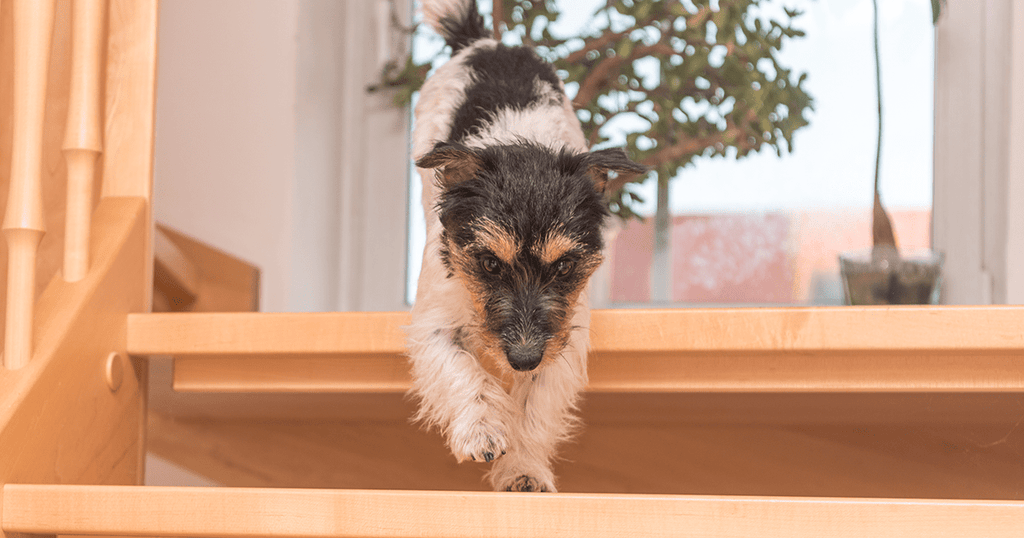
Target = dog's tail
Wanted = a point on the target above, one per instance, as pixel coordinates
(457, 21)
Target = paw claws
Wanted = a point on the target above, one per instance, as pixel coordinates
(479, 445)
(526, 484)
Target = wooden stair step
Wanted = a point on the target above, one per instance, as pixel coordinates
(238, 512)
(841, 349)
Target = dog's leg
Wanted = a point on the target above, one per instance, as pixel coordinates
(547, 400)
(459, 397)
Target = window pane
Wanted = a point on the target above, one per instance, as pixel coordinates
(767, 229)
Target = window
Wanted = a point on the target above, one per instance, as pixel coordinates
(767, 229)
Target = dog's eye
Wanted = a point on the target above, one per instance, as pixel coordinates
(564, 267)
(490, 264)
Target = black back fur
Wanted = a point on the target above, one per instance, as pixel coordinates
(504, 78)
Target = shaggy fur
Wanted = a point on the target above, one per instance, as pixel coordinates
(513, 200)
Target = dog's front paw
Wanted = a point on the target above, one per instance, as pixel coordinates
(522, 470)
(528, 483)
(483, 440)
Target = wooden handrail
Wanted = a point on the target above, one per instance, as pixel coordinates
(291, 513)
(24, 224)
(83, 141)
(855, 349)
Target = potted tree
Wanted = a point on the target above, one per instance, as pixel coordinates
(681, 82)
(883, 274)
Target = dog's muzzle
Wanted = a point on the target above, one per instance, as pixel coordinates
(526, 328)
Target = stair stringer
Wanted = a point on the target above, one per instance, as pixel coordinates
(61, 422)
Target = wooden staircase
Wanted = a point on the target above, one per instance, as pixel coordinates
(76, 352)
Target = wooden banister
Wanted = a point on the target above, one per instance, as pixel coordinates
(75, 410)
(24, 224)
(855, 349)
(83, 141)
(247, 512)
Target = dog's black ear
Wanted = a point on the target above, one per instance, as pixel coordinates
(456, 163)
(599, 163)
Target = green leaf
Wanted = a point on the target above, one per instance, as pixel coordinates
(936, 10)
(642, 9)
(625, 47)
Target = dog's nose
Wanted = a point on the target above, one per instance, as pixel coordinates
(525, 358)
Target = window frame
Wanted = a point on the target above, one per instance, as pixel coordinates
(373, 165)
(979, 117)
(977, 84)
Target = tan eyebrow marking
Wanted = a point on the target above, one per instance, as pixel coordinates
(554, 246)
(498, 240)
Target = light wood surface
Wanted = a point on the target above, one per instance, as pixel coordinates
(212, 512)
(965, 329)
(659, 453)
(59, 420)
(193, 276)
(24, 223)
(175, 277)
(864, 349)
(130, 99)
(81, 164)
(667, 408)
(130, 110)
(22, 248)
(33, 35)
(88, 45)
(69, 415)
(83, 138)
(127, 118)
(50, 255)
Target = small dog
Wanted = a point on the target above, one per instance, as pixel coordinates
(514, 207)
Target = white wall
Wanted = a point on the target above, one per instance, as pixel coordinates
(225, 129)
(268, 147)
(313, 275)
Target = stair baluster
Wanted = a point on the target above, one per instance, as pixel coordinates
(83, 141)
(24, 223)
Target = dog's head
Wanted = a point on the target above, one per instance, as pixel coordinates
(522, 231)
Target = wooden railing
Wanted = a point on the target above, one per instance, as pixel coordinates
(77, 94)
(24, 223)
(35, 104)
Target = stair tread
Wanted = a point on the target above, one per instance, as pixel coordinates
(810, 349)
(209, 512)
